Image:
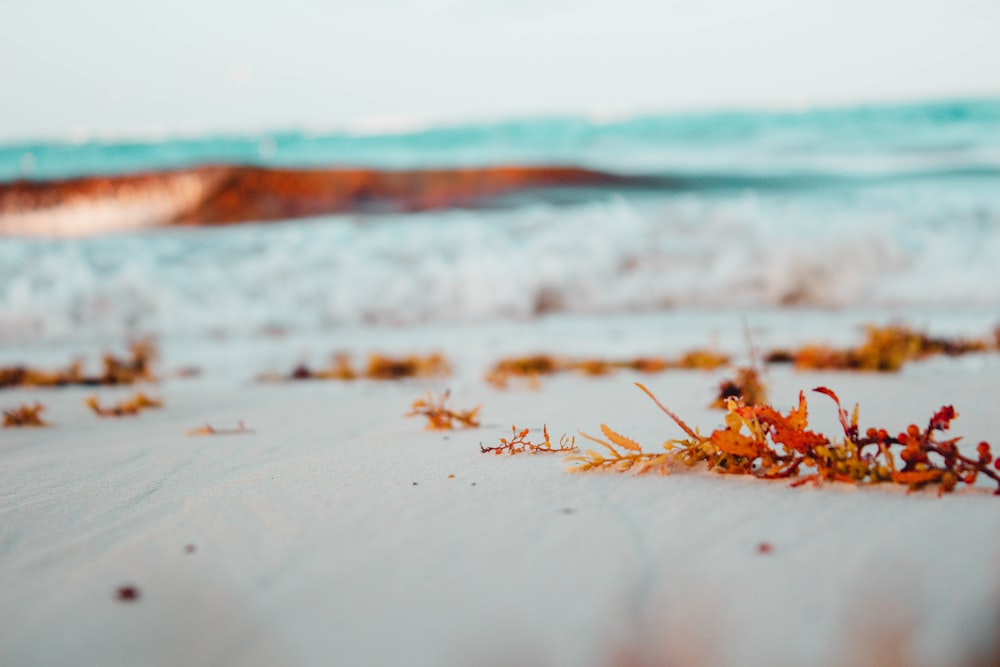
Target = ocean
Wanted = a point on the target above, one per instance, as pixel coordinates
(889, 210)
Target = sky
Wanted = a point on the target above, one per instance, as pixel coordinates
(119, 68)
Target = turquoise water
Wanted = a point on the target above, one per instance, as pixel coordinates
(936, 138)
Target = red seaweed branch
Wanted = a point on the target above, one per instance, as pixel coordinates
(519, 444)
(758, 440)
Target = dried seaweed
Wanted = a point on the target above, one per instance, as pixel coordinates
(701, 360)
(648, 364)
(758, 440)
(519, 444)
(24, 416)
(631, 457)
(339, 369)
(208, 429)
(379, 367)
(26, 376)
(439, 416)
(127, 408)
(136, 367)
(884, 349)
(746, 385)
(531, 368)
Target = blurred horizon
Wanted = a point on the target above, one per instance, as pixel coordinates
(390, 127)
(108, 69)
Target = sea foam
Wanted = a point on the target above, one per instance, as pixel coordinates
(899, 245)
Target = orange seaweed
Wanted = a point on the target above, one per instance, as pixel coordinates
(379, 367)
(439, 416)
(24, 416)
(533, 367)
(884, 349)
(760, 441)
(519, 444)
(127, 408)
(746, 385)
(136, 367)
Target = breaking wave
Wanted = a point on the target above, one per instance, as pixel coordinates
(890, 247)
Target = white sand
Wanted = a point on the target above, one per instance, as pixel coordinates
(333, 535)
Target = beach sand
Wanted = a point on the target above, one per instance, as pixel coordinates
(339, 532)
